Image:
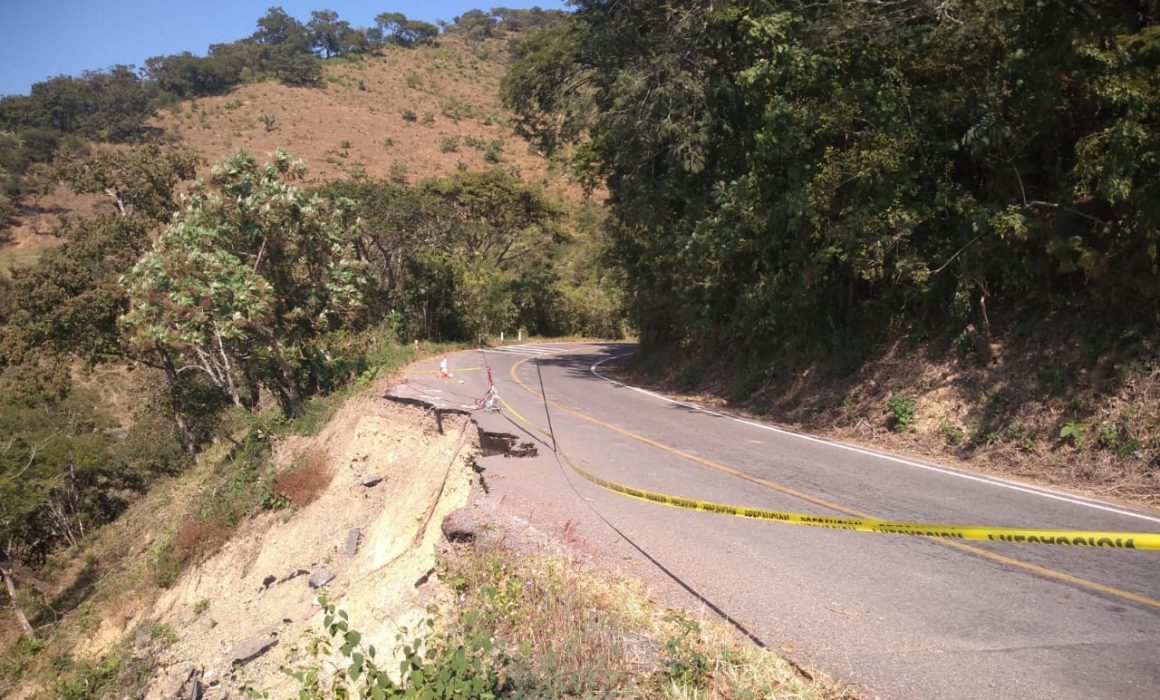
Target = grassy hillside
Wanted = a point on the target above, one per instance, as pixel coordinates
(407, 114)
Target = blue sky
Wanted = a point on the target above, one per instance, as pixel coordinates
(44, 38)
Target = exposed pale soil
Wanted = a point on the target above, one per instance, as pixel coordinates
(425, 476)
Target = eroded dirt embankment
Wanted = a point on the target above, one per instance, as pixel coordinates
(369, 540)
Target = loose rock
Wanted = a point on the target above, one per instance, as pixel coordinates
(320, 578)
(251, 649)
(352, 539)
(371, 481)
(460, 525)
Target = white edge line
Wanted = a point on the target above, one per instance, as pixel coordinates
(1046, 493)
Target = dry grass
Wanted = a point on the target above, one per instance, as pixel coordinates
(355, 125)
(305, 480)
(564, 630)
(197, 537)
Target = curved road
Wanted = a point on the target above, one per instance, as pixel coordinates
(896, 616)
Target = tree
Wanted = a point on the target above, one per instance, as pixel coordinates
(476, 25)
(138, 181)
(242, 284)
(67, 306)
(327, 32)
(395, 28)
(495, 216)
(285, 49)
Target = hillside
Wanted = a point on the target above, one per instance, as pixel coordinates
(408, 114)
(403, 114)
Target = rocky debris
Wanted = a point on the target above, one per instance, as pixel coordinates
(185, 686)
(294, 574)
(269, 581)
(352, 539)
(320, 578)
(424, 578)
(370, 481)
(461, 525)
(251, 649)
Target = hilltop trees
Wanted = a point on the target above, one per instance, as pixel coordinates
(395, 28)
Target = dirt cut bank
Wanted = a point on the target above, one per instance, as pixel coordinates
(367, 543)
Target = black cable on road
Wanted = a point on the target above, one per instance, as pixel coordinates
(673, 576)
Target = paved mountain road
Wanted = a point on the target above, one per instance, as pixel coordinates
(898, 616)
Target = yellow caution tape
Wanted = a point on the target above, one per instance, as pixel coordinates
(1082, 538)
(1079, 538)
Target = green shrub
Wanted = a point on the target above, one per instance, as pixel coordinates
(1075, 431)
(901, 409)
(449, 144)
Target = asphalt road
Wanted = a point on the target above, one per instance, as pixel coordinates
(896, 616)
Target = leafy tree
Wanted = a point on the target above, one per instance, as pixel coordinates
(138, 181)
(327, 31)
(185, 75)
(285, 49)
(495, 216)
(395, 28)
(67, 306)
(245, 280)
(476, 25)
(107, 105)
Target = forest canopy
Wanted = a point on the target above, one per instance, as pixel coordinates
(789, 170)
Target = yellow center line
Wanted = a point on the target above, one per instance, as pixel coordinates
(1003, 559)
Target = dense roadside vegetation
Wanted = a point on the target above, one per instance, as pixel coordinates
(801, 188)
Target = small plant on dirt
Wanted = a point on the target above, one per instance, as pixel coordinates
(953, 434)
(434, 665)
(388, 143)
(1053, 379)
(683, 663)
(87, 680)
(362, 86)
(399, 172)
(901, 409)
(268, 122)
(159, 631)
(1117, 440)
(449, 143)
(414, 81)
(456, 109)
(1074, 431)
(409, 115)
(201, 606)
(461, 166)
(428, 118)
(344, 144)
